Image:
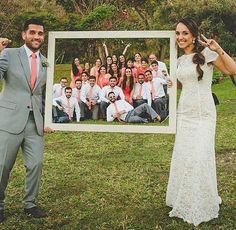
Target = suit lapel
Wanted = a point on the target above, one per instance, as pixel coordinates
(40, 72)
(25, 63)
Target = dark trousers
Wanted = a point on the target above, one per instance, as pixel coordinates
(138, 102)
(160, 105)
(103, 109)
(141, 114)
(87, 113)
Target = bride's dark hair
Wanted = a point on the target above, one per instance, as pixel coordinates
(198, 57)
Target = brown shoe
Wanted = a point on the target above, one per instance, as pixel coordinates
(2, 217)
(35, 212)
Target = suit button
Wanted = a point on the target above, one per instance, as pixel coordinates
(28, 107)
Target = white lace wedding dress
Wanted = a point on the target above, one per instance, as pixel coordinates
(192, 187)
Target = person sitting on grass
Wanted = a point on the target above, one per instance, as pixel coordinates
(122, 111)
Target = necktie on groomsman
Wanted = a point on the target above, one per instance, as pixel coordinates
(117, 111)
(69, 108)
(33, 70)
(140, 91)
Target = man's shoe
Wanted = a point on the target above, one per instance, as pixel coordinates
(2, 217)
(35, 212)
(162, 119)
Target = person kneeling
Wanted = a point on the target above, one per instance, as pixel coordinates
(65, 107)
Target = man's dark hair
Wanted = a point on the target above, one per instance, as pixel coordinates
(154, 62)
(112, 77)
(110, 93)
(78, 80)
(33, 21)
(148, 71)
(68, 88)
(63, 78)
(92, 77)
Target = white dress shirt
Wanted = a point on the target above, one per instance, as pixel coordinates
(158, 87)
(121, 105)
(107, 89)
(95, 96)
(76, 93)
(58, 90)
(158, 73)
(38, 59)
(74, 106)
(145, 92)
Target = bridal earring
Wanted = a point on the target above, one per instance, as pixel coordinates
(193, 41)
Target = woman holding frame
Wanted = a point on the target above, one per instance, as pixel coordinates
(192, 187)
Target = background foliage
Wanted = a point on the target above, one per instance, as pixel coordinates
(216, 18)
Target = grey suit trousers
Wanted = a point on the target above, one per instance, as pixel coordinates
(32, 147)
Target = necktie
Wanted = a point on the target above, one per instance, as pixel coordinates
(152, 90)
(117, 111)
(140, 91)
(90, 93)
(68, 108)
(78, 95)
(33, 70)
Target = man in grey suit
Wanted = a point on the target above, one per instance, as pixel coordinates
(23, 72)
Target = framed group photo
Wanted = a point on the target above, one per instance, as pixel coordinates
(144, 42)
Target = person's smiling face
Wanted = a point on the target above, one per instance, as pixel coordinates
(184, 37)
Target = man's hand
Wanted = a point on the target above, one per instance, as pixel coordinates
(4, 43)
(48, 130)
(60, 107)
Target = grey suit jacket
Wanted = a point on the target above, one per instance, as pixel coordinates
(17, 97)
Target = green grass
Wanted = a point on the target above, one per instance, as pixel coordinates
(118, 181)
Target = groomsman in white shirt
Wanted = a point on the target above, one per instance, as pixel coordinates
(85, 78)
(141, 92)
(90, 97)
(59, 88)
(157, 93)
(66, 106)
(161, 65)
(112, 87)
(122, 111)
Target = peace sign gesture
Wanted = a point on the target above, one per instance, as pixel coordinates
(210, 43)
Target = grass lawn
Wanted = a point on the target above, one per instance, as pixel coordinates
(114, 181)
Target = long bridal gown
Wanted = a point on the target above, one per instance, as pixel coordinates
(192, 187)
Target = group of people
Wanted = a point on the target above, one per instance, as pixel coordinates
(135, 82)
(192, 188)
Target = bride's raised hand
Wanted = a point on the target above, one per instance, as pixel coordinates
(210, 43)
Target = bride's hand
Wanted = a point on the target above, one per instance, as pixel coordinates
(210, 43)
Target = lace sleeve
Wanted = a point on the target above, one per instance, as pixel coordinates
(210, 55)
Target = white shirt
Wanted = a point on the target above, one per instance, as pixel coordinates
(38, 59)
(158, 87)
(76, 93)
(74, 106)
(121, 105)
(145, 92)
(58, 90)
(107, 89)
(158, 73)
(95, 96)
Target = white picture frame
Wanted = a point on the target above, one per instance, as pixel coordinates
(110, 127)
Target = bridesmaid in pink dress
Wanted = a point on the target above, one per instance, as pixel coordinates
(76, 71)
(103, 76)
(94, 70)
(127, 84)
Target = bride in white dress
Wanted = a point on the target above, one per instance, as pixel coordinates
(192, 187)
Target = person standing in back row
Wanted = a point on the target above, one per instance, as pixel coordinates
(23, 72)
